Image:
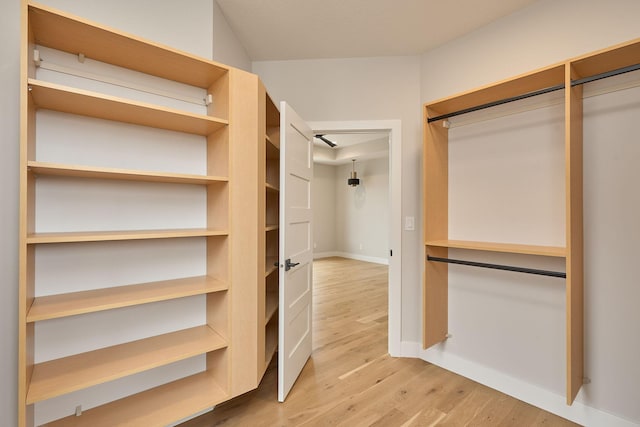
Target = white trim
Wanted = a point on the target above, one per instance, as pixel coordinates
(394, 127)
(320, 255)
(578, 412)
(359, 257)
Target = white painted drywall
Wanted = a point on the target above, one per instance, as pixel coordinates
(9, 178)
(362, 212)
(502, 322)
(352, 221)
(547, 32)
(227, 48)
(324, 208)
(366, 89)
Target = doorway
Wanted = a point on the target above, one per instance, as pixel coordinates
(391, 128)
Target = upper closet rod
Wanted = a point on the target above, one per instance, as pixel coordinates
(605, 75)
(499, 267)
(496, 103)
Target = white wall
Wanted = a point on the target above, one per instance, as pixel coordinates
(362, 212)
(508, 331)
(366, 89)
(547, 32)
(348, 221)
(9, 144)
(324, 208)
(227, 48)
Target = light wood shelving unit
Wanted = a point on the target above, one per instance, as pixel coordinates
(269, 286)
(570, 76)
(44, 26)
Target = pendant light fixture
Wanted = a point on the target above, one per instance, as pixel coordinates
(353, 180)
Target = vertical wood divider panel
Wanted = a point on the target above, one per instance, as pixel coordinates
(436, 210)
(244, 228)
(261, 237)
(574, 236)
(26, 254)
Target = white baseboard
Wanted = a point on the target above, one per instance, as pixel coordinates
(376, 260)
(578, 412)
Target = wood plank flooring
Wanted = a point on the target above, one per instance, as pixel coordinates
(350, 379)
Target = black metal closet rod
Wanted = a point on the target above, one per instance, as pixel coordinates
(496, 103)
(605, 75)
(499, 267)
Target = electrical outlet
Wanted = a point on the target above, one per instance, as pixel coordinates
(360, 246)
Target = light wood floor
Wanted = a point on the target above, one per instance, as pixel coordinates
(350, 379)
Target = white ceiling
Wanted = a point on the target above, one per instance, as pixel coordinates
(359, 146)
(305, 29)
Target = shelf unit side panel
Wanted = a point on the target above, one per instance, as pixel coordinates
(435, 283)
(245, 228)
(436, 177)
(218, 153)
(218, 206)
(219, 91)
(262, 152)
(26, 254)
(574, 239)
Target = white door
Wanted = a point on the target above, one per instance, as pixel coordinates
(296, 253)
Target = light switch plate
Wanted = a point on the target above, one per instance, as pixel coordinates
(409, 223)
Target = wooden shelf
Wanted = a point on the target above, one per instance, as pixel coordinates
(65, 99)
(525, 83)
(61, 31)
(609, 59)
(271, 265)
(158, 406)
(273, 148)
(56, 169)
(102, 236)
(76, 372)
(271, 340)
(71, 304)
(271, 227)
(552, 251)
(271, 305)
(271, 187)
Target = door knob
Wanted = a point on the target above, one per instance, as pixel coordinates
(288, 265)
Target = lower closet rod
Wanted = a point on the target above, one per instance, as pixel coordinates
(499, 267)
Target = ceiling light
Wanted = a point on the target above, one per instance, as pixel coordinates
(353, 180)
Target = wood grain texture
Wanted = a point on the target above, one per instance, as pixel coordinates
(104, 236)
(71, 304)
(350, 379)
(72, 34)
(60, 376)
(51, 96)
(94, 172)
(574, 238)
(519, 85)
(155, 407)
(553, 251)
(435, 307)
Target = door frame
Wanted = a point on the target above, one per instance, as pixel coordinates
(394, 127)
